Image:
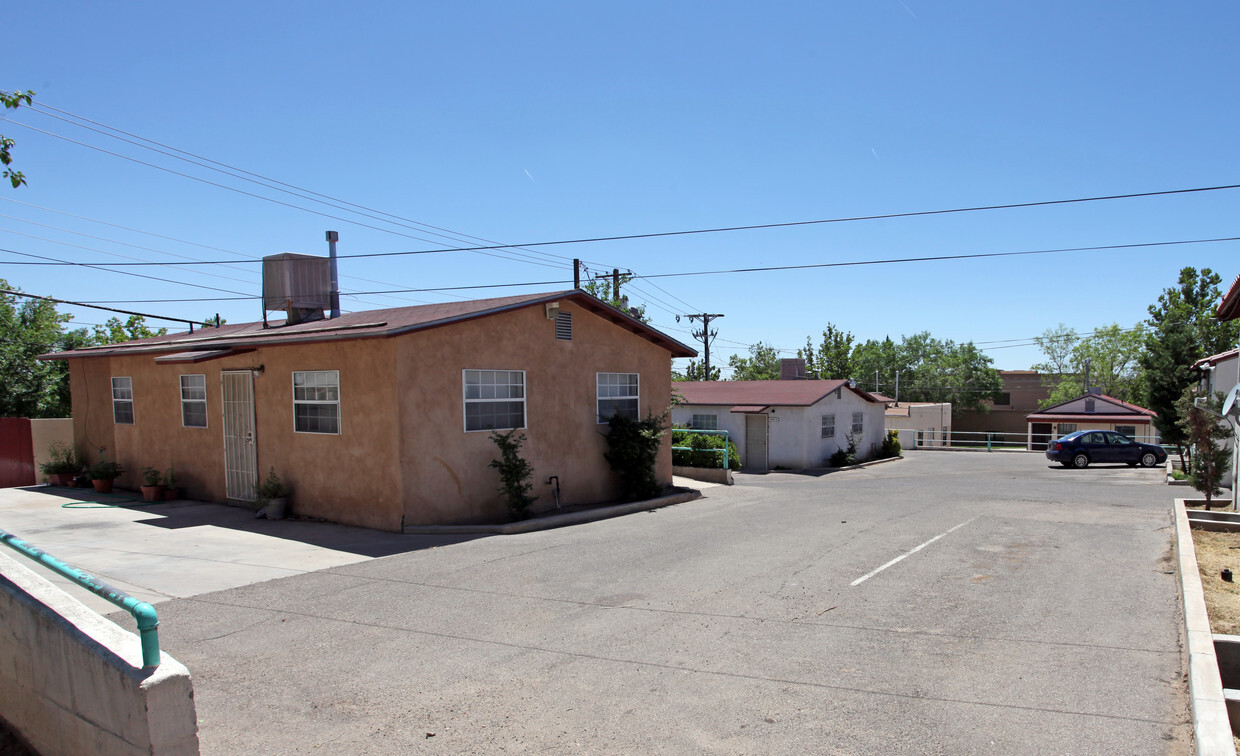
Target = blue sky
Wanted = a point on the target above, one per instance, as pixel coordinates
(541, 121)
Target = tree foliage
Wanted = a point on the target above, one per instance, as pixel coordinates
(696, 371)
(602, 288)
(762, 364)
(1111, 352)
(1202, 425)
(930, 370)
(12, 102)
(1182, 330)
(832, 359)
(28, 386)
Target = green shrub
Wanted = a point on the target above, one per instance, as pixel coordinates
(846, 456)
(697, 456)
(633, 451)
(891, 445)
(514, 473)
(63, 459)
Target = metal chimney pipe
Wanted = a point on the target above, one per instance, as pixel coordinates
(332, 238)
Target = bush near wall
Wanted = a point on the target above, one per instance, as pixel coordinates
(697, 456)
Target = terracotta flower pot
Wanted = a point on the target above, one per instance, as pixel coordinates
(172, 494)
(60, 479)
(102, 486)
(152, 493)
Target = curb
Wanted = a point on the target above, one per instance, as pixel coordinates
(1211, 726)
(561, 520)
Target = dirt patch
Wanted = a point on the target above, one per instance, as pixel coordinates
(1216, 552)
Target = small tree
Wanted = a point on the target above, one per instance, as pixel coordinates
(633, 450)
(514, 473)
(1210, 460)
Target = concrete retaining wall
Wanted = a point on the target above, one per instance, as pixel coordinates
(1211, 725)
(705, 474)
(71, 682)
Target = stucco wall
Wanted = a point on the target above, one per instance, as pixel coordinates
(930, 419)
(447, 477)
(71, 682)
(43, 433)
(402, 455)
(352, 477)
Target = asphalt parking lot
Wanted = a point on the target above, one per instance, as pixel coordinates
(944, 603)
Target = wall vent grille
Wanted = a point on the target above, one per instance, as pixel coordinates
(564, 326)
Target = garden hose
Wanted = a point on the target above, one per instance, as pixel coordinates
(95, 504)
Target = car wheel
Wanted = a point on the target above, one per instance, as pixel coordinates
(1148, 459)
(1080, 461)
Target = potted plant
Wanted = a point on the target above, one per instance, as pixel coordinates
(273, 495)
(171, 492)
(152, 484)
(62, 465)
(102, 474)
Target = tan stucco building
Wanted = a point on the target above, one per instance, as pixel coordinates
(380, 418)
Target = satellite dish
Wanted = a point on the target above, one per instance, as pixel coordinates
(1231, 406)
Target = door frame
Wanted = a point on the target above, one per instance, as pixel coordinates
(766, 446)
(238, 478)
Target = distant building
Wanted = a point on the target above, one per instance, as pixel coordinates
(1022, 393)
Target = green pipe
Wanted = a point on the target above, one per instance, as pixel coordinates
(142, 612)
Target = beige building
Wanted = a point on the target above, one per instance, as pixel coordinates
(921, 424)
(381, 418)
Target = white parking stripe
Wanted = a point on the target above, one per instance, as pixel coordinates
(910, 552)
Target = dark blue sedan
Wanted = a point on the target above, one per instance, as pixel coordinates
(1084, 447)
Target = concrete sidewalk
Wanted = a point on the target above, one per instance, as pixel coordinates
(167, 550)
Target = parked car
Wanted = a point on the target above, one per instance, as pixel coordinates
(1084, 447)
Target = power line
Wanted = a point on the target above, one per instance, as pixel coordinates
(97, 307)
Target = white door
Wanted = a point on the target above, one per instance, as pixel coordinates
(240, 451)
(755, 443)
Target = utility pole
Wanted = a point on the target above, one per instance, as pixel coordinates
(614, 275)
(706, 335)
(576, 273)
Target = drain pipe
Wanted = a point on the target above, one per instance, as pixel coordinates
(142, 612)
(556, 490)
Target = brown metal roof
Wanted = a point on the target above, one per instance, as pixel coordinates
(370, 324)
(1229, 306)
(1112, 410)
(762, 393)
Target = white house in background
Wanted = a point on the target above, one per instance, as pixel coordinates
(921, 424)
(791, 424)
(1219, 372)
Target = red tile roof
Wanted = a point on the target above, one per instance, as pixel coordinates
(369, 324)
(1127, 411)
(1215, 359)
(762, 393)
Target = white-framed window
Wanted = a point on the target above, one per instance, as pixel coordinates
(122, 400)
(1127, 430)
(828, 426)
(194, 401)
(705, 422)
(494, 399)
(617, 392)
(858, 423)
(316, 401)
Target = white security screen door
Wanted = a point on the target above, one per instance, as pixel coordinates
(240, 451)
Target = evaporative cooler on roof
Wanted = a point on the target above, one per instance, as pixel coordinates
(300, 285)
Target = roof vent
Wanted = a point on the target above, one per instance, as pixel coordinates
(300, 285)
(1089, 405)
